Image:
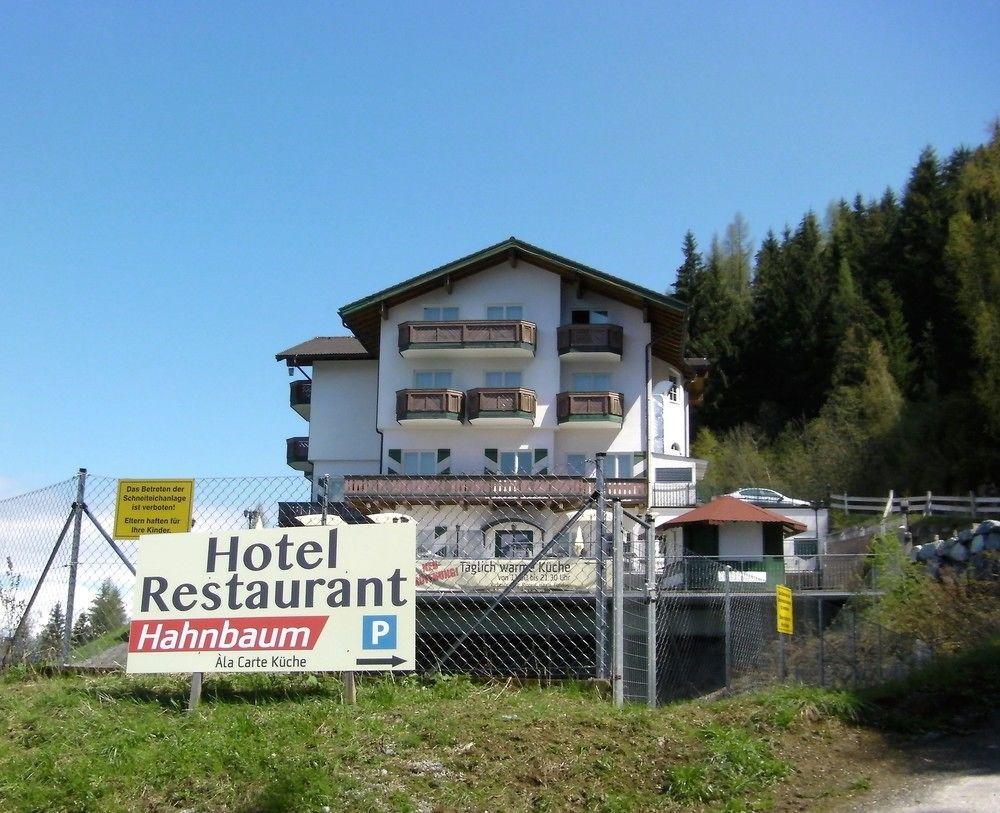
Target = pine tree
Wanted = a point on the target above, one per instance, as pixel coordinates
(690, 271)
(82, 631)
(973, 258)
(107, 613)
(49, 643)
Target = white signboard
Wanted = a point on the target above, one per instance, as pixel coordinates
(752, 576)
(470, 575)
(276, 600)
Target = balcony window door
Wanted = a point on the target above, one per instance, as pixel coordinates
(502, 378)
(419, 462)
(439, 313)
(511, 463)
(432, 379)
(591, 382)
(589, 317)
(505, 311)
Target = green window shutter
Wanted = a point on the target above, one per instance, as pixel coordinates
(639, 464)
(541, 463)
(490, 458)
(395, 465)
(444, 461)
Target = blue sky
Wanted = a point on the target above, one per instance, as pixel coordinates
(187, 189)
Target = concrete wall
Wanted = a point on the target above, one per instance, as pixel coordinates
(342, 436)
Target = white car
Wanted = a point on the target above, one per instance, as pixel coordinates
(766, 495)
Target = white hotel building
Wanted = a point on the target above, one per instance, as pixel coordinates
(495, 379)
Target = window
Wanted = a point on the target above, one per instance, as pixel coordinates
(589, 317)
(618, 465)
(672, 392)
(576, 465)
(673, 475)
(504, 311)
(432, 379)
(420, 462)
(806, 547)
(502, 378)
(438, 313)
(591, 382)
(513, 544)
(514, 462)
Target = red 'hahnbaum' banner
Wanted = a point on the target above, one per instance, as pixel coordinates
(226, 634)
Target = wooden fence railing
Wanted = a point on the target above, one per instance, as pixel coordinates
(925, 504)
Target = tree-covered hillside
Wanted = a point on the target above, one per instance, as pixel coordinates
(860, 350)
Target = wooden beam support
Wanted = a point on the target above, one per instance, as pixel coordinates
(645, 312)
(579, 287)
(512, 256)
(384, 310)
(448, 283)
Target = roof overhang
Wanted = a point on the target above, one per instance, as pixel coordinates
(324, 348)
(664, 313)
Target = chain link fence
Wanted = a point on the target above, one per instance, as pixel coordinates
(512, 581)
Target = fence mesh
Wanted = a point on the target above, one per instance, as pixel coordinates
(512, 581)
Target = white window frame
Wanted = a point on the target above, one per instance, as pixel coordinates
(619, 465)
(673, 392)
(504, 306)
(421, 458)
(592, 375)
(518, 457)
(440, 315)
(436, 377)
(508, 378)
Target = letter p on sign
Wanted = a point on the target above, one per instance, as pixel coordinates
(378, 632)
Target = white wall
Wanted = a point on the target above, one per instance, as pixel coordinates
(342, 436)
(741, 540)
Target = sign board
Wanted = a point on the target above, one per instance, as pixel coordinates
(493, 575)
(746, 576)
(276, 600)
(785, 620)
(153, 507)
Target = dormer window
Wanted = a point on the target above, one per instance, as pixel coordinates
(505, 311)
(438, 313)
(589, 317)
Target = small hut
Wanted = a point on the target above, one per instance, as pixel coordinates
(737, 533)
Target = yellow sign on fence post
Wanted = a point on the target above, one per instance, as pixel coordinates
(783, 597)
(153, 507)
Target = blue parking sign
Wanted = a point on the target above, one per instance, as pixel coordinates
(378, 632)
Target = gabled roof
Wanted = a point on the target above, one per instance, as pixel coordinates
(665, 313)
(324, 348)
(730, 509)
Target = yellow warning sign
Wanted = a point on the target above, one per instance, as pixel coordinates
(783, 597)
(153, 507)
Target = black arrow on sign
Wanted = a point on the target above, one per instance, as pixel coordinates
(395, 660)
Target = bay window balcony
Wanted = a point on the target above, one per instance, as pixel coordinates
(511, 338)
(590, 342)
(429, 407)
(300, 396)
(596, 410)
(297, 454)
(501, 406)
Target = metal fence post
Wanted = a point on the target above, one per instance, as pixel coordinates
(74, 558)
(600, 599)
(727, 621)
(618, 601)
(651, 587)
(822, 642)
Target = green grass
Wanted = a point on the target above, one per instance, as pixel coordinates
(99, 644)
(276, 743)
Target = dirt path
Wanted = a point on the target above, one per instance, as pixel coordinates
(957, 773)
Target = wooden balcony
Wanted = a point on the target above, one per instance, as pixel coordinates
(300, 396)
(297, 454)
(429, 407)
(597, 410)
(590, 342)
(469, 337)
(379, 491)
(501, 406)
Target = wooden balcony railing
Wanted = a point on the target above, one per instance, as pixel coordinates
(607, 407)
(501, 402)
(590, 339)
(467, 334)
(300, 396)
(429, 404)
(417, 490)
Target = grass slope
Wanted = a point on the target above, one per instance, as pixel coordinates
(275, 743)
